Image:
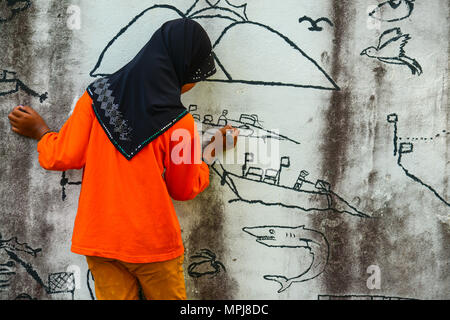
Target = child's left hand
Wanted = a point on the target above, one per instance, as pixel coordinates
(26, 121)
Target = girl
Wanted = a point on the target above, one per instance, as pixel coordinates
(125, 133)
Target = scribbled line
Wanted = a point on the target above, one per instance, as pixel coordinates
(24, 296)
(315, 23)
(318, 196)
(207, 264)
(391, 50)
(391, 7)
(237, 19)
(295, 238)
(441, 134)
(195, 15)
(9, 84)
(61, 282)
(359, 297)
(9, 8)
(393, 118)
(404, 148)
(416, 179)
(65, 181)
(122, 31)
(90, 277)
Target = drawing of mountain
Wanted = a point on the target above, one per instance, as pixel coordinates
(246, 52)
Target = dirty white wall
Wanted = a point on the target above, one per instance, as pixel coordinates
(359, 101)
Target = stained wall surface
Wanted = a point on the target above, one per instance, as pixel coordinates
(353, 199)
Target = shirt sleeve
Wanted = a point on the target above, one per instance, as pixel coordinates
(66, 149)
(186, 175)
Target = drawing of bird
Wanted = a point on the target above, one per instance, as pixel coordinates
(314, 23)
(393, 10)
(390, 50)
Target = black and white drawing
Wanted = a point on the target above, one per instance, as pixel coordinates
(90, 284)
(64, 182)
(393, 10)
(391, 50)
(9, 8)
(257, 55)
(304, 195)
(249, 125)
(315, 23)
(9, 84)
(295, 238)
(205, 263)
(17, 257)
(404, 146)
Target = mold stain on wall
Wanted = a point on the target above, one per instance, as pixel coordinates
(42, 63)
(208, 232)
(334, 147)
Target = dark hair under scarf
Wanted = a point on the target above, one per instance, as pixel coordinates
(142, 100)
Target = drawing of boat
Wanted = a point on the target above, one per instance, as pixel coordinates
(248, 125)
(256, 185)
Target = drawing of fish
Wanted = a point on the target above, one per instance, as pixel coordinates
(295, 238)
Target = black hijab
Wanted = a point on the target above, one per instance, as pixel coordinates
(142, 100)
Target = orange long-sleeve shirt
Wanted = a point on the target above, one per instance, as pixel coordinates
(125, 209)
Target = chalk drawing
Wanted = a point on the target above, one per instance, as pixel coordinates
(359, 297)
(315, 23)
(304, 194)
(393, 10)
(228, 48)
(249, 125)
(206, 264)
(64, 182)
(9, 8)
(390, 50)
(17, 255)
(9, 84)
(295, 238)
(24, 296)
(402, 148)
(90, 284)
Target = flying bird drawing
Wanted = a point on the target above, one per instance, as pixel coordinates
(393, 10)
(315, 23)
(391, 50)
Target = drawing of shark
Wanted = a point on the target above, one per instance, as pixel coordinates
(294, 237)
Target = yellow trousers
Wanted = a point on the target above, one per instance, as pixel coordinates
(118, 280)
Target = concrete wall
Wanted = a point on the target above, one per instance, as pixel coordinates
(369, 126)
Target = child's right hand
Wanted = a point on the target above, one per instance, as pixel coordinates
(229, 137)
(226, 140)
